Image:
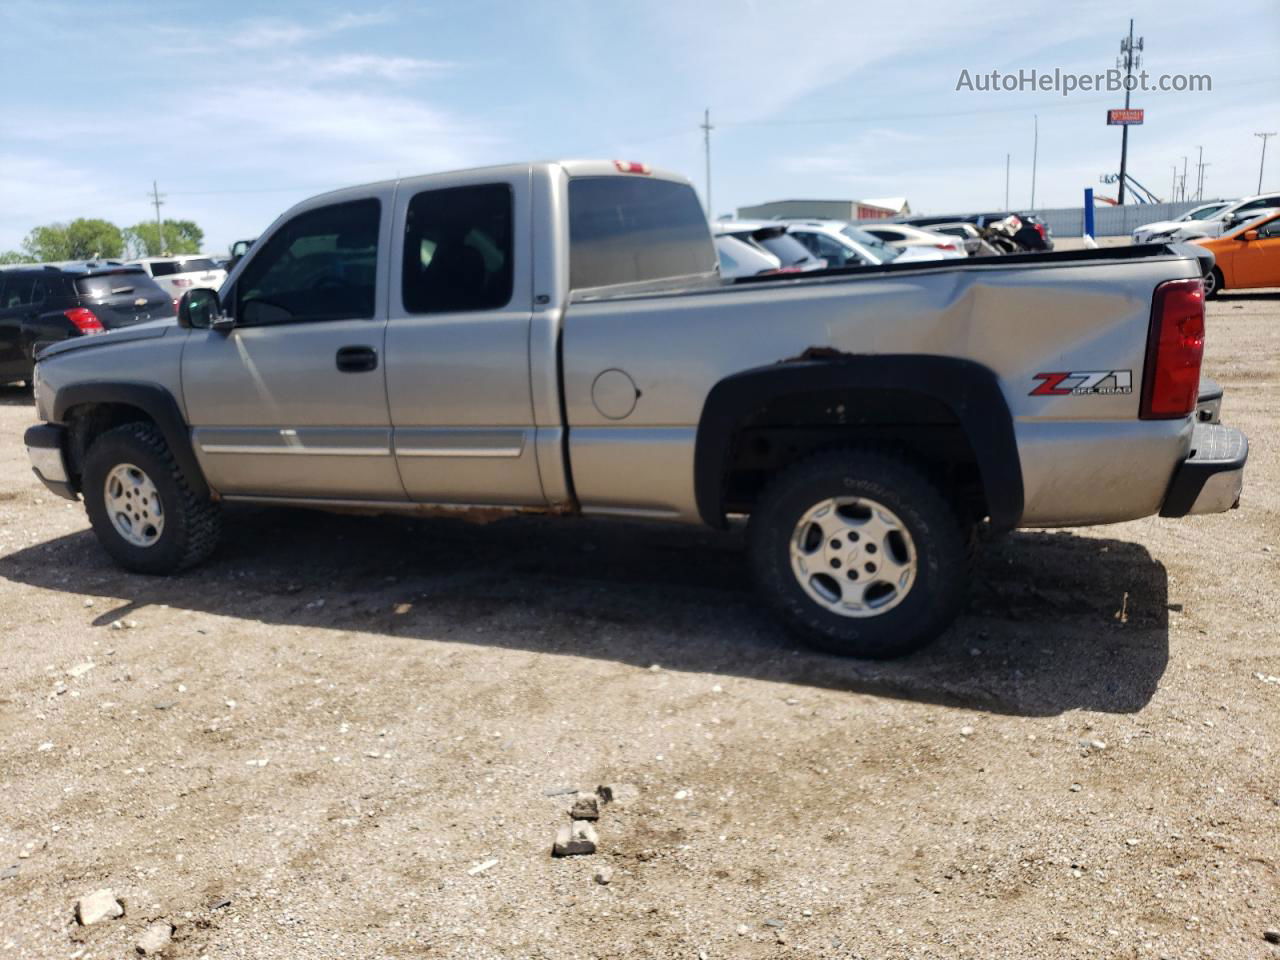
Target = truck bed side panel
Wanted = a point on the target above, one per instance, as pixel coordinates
(1020, 321)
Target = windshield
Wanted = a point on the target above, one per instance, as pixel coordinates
(787, 249)
(1203, 213)
(125, 283)
(165, 268)
(883, 252)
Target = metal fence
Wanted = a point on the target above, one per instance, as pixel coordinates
(1111, 221)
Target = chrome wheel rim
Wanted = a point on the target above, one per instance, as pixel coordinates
(853, 556)
(133, 504)
(1210, 281)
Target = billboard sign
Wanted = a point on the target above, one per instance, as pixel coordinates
(1123, 118)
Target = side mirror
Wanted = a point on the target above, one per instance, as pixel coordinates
(1248, 235)
(199, 309)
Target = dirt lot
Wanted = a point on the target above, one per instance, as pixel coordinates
(306, 747)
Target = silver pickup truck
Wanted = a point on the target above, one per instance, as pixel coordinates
(555, 337)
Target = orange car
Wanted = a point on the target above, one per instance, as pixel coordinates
(1247, 257)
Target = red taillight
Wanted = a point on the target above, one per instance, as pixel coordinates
(84, 320)
(1175, 347)
(175, 307)
(1040, 230)
(625, 166)
(945, 246)
(181, 282)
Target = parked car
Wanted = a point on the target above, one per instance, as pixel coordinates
(905, 235)
(1029, 233)
(42, 304)
(238, 250)
(180, 274)
(842, 244)
(975, 245)
(1246, 258)
(867, 422)
(740, 259)
(1144, 233)
(1225, 220)
(771, 237)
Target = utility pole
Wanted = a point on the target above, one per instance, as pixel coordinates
(1006, 181)
(1035, 151)
(706, 141)
(1173, 187)
(1263, 161)
(1184, 179)
(1130, 57)
(1203, 166)
(158, 202)
(1199, 173)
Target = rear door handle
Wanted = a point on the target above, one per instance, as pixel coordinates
(357, 359)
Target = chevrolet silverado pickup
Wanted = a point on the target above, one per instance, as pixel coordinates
(555, 337)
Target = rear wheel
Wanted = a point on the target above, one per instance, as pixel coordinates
(859, 553)
(140, 506)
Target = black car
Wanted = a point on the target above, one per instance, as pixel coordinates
(1033, 235)
(40, 305)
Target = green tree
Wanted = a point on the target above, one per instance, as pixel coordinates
(13, 256)
(180, 236)
(82, 239)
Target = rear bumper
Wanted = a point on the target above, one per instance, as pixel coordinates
(46, 445)
(1209, 401)
(1212, 476)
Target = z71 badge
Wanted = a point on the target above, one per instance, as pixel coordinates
(1082, 382)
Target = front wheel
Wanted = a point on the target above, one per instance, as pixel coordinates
(859, 553)
(141, 508)
(1212, 283)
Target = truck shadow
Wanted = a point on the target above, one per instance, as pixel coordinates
(12, 395)
(1057, 622)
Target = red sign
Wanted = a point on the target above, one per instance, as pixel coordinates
(1123, 117)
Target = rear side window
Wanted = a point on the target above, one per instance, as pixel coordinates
(627, 229)
(458, 250)
(20, 291)
(321, 265)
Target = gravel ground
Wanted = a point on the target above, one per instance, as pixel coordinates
(309, 747)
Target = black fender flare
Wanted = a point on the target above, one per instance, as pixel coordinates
(152, 399)
(969, 390)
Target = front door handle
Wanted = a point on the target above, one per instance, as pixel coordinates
(357, 359)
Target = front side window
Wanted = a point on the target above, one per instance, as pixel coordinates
(1269, 229)
(321, 265)
(626, 229)
(22, 291)
(458, 249)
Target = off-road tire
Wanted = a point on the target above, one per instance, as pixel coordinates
(192, 524)
(941, 543)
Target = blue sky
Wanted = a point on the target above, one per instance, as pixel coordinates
(240, 110)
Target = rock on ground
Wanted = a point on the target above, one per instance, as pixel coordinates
(97, 906)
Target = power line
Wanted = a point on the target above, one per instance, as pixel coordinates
(157, 201)
(706, 140)
(1265, 137)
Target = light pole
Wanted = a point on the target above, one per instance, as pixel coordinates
(1035, 152)
(1263, 161)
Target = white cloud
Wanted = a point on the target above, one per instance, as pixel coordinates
(273, 32)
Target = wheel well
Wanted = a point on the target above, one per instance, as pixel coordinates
(792, 427)
(88, 421)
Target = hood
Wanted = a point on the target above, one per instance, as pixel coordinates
(1160, 226)
(139, 331)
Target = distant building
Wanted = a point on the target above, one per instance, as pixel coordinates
(878, 209)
